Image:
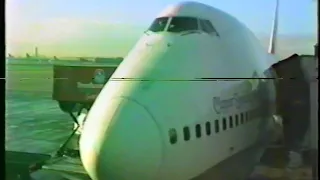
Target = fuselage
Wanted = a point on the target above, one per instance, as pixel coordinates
(183, 102)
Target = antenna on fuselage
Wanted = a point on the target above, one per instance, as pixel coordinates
(274, 31)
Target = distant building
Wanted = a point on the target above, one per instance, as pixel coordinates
(36, 54)
(101, 59)
(119, 58)
(105, 59)
(84, 60)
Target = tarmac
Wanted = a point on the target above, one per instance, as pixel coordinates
(35, 124)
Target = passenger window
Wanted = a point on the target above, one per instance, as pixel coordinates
(180, 24)
(186, 133)
(237, 119)
(230, 122)
(224, 124)
(208, 128)
(198, 130)
(251, 114)
(216, 126)
(207, 27)
(159, 24)
(258, 112)
(173, 136)
(254, 113)
(241, 118)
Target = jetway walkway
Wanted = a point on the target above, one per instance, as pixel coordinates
(273, 163)
(309, 66)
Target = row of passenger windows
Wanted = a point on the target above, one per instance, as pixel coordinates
(216, 126)
(180, 24)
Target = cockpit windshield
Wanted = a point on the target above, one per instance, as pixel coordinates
(159, 24)
(207, 27)
(180, 24)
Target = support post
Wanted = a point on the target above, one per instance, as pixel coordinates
(314, 137)
(314, 118)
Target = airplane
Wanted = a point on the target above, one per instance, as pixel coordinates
(193, 100)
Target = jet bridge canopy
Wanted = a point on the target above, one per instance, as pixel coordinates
(296, 96)
(292, 82)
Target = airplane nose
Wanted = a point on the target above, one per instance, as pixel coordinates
(120, 142)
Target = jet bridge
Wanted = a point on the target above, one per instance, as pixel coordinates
(308, 65)
(307, 129)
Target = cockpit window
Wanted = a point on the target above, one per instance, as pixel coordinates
(159, 24)
(207, 27)
(180, 24)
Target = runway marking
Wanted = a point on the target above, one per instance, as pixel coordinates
(17, 104)
(32, 146)
(13, 126)
(45, 174)
(27, 110)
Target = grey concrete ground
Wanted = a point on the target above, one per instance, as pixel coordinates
(34, 123)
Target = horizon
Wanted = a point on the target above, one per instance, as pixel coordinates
(98, 28)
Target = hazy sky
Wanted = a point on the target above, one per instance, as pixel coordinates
(111, 27)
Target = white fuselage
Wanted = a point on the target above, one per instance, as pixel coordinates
(137, 127)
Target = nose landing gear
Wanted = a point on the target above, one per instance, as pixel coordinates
(78, 113)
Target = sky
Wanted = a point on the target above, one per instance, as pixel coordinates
(69, 28)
